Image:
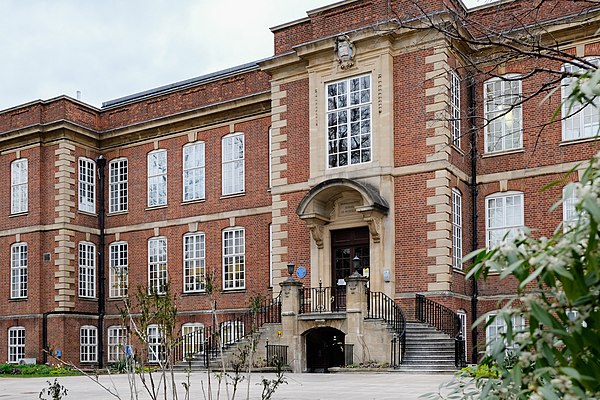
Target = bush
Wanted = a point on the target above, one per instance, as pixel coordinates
(36, 370)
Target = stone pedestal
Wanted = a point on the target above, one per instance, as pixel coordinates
(356, 312)
(290, 307)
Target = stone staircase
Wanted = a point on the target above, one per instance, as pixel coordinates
(428, 351)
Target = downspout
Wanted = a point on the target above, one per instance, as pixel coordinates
(101, 164)
(45, 345)
(474, 214)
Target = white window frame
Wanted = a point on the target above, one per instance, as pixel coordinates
(88, 344)
(118, 172)
(506, 229)
(195, 344)
(87, 269)
(500, 112)
(156, 345)
(87, 185)
(579, 121)
(19, 186)
(234, 258)
(457, 233)
(233, 149)
(497, 327)
(194, 262)
(16, 344)
(158, 277)
(231, 332)
(157, 178)
(194, 171)
(19, 264)
(117, 340)
(464, 327)
(455, 107)
(341, 103)
(119, 269)
(570, 214)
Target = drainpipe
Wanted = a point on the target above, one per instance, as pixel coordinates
(101, 163)
(45, 327)
(474, 215)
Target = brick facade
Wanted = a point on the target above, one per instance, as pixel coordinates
(279, 104)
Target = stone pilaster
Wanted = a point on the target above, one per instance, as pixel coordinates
(64, 207)
(438, 141)
(279, 206)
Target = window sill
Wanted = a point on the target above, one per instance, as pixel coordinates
(228, 196)
(459, 270)
(503, 153)
(91, 214)
(196, 201)
(198, 293)
(233, 290)
(116, 298)
(577, 141)
(156, 207)
(87, 298)
(458, 149)
(17, 299)
(115, 213)
(19, 214)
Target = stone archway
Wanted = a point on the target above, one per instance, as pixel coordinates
(342, 204)
(324, 349)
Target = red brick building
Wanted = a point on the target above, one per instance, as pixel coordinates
(359, 146)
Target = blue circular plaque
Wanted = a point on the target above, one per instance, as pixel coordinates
(301, 272)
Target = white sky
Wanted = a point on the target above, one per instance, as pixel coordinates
(112, 48)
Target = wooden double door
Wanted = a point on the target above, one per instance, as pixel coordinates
(346, 244)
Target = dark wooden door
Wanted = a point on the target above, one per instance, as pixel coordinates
(345, 245)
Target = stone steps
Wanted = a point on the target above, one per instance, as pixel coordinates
(428, 351)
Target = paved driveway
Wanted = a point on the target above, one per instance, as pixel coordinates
(345, 386)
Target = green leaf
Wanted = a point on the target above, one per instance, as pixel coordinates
(532, 276)
(592, 207)
(540, 314)
(571, 372)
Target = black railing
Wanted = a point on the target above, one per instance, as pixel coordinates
(460, 352)
(276, 355)
(322, 299)
(380, 306)
(445, 320)
(232, 329)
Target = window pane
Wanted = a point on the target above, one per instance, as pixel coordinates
(349, 111)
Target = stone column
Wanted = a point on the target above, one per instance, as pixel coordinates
(356, 312)
(290, 307)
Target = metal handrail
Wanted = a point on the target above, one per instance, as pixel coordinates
(232, 329)
(322, 299)
(381, 306)
(445, 320)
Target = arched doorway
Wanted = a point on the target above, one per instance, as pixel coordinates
(324, 349)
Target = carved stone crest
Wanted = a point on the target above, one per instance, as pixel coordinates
(344, 50)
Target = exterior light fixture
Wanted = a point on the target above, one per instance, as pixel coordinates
(290, 270)
(356, 264)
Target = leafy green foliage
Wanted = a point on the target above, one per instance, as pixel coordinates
(35, 370)
(557, 354)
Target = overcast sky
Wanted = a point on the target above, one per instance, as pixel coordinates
(112, 48)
